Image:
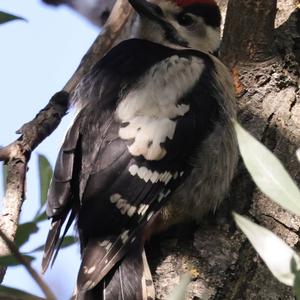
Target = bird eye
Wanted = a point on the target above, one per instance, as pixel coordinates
(185, 20)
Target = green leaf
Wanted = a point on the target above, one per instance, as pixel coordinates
(297, 285)
(9, 293)
(297, 278)
(23, 233)
(180, 290)
(6, 17)
(294, 265)
(68, 241)
(268, 172)
(41, 217)
(45, 175)
(10, 260)
(276, 254)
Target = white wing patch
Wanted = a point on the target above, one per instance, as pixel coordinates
(123, 205)
(147, 111)
(142, 209)
(148, 134)
(146, 174)
(124, 236)
(163, 195)
(87, 270)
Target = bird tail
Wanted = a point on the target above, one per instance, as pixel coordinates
(53, 242)
(130, 279)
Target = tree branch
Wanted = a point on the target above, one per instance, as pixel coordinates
(104, 42)
(17, 154)
(96, 11)
(37, 278)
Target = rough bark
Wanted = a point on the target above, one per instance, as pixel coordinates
(265, 66)
(249, 31)
(266, 71)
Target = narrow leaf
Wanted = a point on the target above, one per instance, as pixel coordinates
(274, 252)
(10, 260)
(180, 290)
(68, 241)
(268, 172)
(297, 285)
(23, 233)
(296, 272)
(6, 17)
(41, 217)
(9, 293)
(45, 175)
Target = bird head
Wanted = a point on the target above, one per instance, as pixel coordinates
(179, 23)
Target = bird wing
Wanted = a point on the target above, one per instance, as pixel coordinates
(121, 194)
(116, 171)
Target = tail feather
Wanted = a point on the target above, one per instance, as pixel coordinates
(52, 239)
(53, 243)
(59, 243)
(147, 282)
(130, 279)
(100, 256)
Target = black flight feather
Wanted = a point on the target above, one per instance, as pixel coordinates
(92, 176)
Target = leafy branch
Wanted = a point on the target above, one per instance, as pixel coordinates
(273, 180)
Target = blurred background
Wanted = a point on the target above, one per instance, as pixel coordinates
(37, 58)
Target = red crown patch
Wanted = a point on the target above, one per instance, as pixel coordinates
(183, 3)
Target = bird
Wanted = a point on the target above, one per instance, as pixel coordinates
(152, 144)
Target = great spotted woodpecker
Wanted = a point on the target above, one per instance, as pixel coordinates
(152, 143)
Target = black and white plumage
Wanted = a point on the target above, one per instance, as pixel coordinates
(151, 119)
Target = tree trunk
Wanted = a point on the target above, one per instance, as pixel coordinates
(264, 62)
(266, 73)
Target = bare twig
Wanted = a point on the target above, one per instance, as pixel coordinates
(17, 154)
(37, 278)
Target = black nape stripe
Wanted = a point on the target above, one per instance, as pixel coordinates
(174, 38)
